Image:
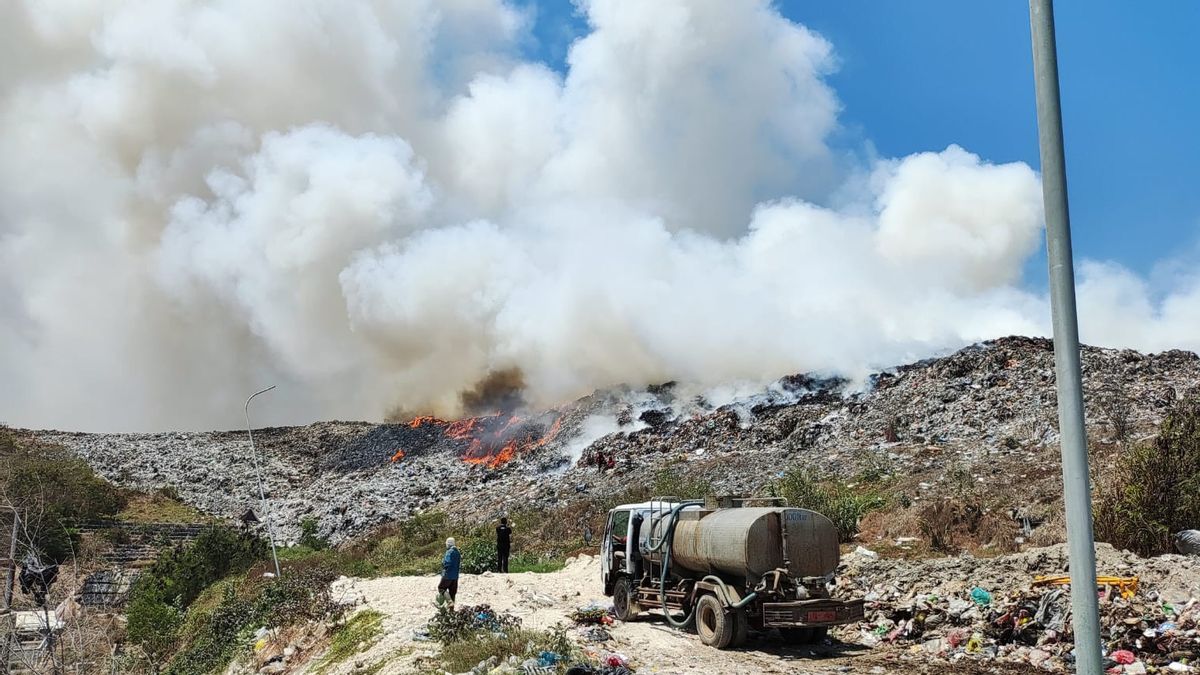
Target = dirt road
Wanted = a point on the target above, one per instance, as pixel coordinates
(542, 600)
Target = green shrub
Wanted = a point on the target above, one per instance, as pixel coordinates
(527, 561)
(178, 575)
(1154, 490)
(176, 578)
(845, 506)
(309, 537)
(213, 632)
(478, 556)
(302, 594)
(152, 625)
(211, 637)
(55, 492)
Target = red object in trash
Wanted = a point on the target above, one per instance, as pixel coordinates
(1123, 657)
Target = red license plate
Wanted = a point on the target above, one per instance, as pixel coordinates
(818, 617)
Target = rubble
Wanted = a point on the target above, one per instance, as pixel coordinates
(995, 609)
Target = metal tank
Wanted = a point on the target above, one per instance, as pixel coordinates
(748, 542)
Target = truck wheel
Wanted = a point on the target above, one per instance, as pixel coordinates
(624, 606)
(713, 624)
(741, 628)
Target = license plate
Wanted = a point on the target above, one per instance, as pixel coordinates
(818, 617)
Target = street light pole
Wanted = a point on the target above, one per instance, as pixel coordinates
(262, 495)
(1077, 493)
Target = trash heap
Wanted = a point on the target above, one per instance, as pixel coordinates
(593, 614)
(1026, 619)
(451, 624)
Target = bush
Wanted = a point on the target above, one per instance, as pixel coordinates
(174, 581)
(309, 537)
(1154, 490)
(152, 625)
(220, 622)
(845, 506)
(55, 491)
(210, 637)
(478, 556)
(412, 546)
(178, 575)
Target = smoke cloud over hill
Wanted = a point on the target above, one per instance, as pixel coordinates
(382, 206)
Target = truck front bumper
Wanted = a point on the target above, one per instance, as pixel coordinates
(817, 612)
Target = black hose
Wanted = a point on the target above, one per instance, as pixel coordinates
(665, 545)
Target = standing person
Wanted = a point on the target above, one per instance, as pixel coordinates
(503, 544)
(450, 563)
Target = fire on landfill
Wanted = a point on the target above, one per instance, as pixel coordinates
(491, 440)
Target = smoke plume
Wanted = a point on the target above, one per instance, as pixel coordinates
(383, 206)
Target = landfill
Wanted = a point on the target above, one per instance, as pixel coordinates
(988, 407)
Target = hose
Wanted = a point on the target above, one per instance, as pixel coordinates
(725, 593)
(664, 545)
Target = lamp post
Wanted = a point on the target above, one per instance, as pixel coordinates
(262, 494)
(1077, 497)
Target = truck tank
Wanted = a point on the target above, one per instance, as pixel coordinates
(748, 542)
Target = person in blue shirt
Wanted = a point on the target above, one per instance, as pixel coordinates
(450, 563)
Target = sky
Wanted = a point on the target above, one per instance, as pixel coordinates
(923, 74)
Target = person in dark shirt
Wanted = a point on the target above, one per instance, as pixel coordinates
(503, 544)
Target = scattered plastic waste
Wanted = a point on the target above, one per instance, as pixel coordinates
(981, 597)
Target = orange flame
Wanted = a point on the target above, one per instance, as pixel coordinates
(492, 440)
(417, 422)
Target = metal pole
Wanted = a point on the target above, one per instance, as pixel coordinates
(9, 581)
(262, 495)
(1073, 439)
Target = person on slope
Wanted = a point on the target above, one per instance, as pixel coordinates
(450, 563)
(503, 545)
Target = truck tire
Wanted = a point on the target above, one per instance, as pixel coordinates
(624, 606)
(714, 625)
(741, 628)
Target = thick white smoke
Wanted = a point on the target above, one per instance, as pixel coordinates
(376, 205)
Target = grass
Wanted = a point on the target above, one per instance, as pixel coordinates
(364, 628)
(159, 508)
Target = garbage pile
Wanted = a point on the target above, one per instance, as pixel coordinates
(965, 608)
(452, 624)
(1033, 626)
(988, 406)
(592, 614)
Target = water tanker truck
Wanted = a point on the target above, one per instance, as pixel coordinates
(728, 565)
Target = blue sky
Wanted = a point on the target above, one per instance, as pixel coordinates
(922, 74)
